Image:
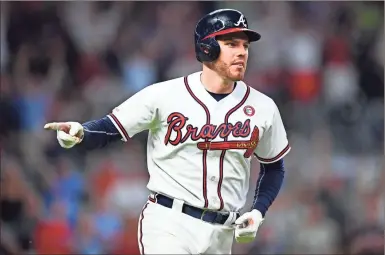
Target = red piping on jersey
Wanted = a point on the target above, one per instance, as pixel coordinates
(204, 156)
(120, 126)
(141, 229)
(268, 160)
(222, 157)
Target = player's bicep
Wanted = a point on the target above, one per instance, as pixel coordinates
(274, 144)
(136, 114)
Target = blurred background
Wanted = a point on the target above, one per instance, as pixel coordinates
(322, 62)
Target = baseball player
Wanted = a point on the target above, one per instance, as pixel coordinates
(204, 129)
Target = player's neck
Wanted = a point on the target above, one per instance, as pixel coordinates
(215, 83)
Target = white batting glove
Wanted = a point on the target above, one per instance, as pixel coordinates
(247, 226)
(68, 133)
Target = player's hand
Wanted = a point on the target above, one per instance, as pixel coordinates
(68, 133)
(247, 226)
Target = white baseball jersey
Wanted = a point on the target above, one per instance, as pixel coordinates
(199, 149)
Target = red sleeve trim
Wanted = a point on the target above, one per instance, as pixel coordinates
(120, 126)
(270, 160)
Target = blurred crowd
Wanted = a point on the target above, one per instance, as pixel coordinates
(322, 62)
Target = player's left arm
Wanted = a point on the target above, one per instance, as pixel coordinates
(270, 152)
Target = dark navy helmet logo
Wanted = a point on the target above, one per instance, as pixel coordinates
(242, 21)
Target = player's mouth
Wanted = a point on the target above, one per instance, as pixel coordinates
(239, 64)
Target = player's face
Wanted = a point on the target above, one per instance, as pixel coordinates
(232, 61)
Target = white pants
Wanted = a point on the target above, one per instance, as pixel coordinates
(163, 230)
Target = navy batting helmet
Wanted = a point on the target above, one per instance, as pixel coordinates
(220, 22)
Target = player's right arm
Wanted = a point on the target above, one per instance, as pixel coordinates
(134, 115)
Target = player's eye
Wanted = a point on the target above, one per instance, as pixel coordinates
(232, 44)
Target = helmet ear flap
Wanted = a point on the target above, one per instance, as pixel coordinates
(205, 48)
(208, 50)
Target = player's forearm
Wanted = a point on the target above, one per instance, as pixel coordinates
(98, 134)
(268, 185)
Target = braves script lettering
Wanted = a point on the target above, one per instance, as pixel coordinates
(177, 121)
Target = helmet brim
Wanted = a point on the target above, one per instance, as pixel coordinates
(253, 36)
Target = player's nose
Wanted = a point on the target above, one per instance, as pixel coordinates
(241, 51)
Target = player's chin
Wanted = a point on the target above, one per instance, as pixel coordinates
(237, 74)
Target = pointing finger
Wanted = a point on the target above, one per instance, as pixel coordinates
(52, 126)
(58, 126)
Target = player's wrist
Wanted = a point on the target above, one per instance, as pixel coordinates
(82, 134)
(261, 207)
(257, 214)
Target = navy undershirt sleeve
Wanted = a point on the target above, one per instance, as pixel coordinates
(268, 185)
(99, 133)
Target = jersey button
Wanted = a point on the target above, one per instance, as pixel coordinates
(213, 178)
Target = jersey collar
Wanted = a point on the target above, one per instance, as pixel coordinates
(195, 84)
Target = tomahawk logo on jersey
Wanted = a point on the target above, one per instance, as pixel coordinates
(200, 149)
